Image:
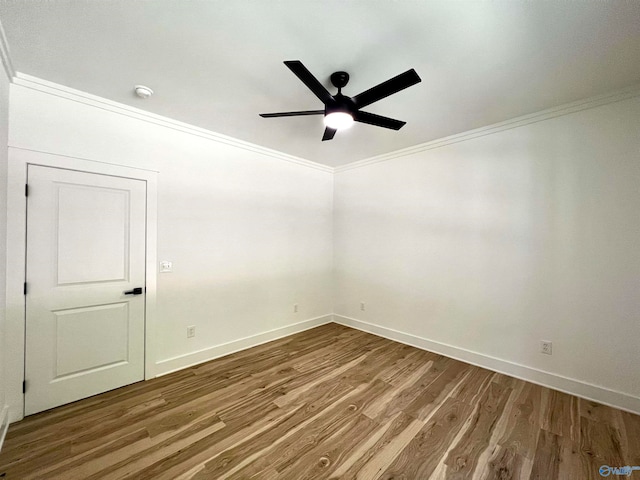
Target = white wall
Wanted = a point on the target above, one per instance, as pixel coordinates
(4, 132)
(249, 235)
(480, 248)
(490, 245)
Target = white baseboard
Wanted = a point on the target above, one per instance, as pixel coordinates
(599, 394)
(4, 424)
(173, 364)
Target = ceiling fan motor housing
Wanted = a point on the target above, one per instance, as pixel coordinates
(341, 103)
(339, 79)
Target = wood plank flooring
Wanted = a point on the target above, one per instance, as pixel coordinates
(328, 403)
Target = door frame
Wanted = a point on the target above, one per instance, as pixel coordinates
(19, 160)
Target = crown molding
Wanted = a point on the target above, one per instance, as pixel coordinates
(55, 89)
(79, 96)
(523, 120)
(5, 56)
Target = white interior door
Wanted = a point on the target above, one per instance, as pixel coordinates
(85, 249)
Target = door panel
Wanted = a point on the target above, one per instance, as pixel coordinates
(109, 323)
(85, 248)
(107, 238)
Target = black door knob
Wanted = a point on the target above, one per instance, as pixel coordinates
(135, 291)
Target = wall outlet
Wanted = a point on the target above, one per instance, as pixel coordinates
(362, 306)
(166, 266)
(295, 308)
(191, 331)
(545, 347)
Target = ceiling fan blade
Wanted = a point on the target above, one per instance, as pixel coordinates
(329, 133)
(292, 114)
(378, 121)
(384, 89)
(309, 80)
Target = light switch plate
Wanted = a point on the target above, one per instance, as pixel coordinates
(166, 266)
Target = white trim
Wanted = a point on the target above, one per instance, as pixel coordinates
(19, 159)
(62, 91)
(5, 55)
(97, 162)
(579, 388)
(516, 122)
(179, 362)
(151, 278)
(4, 424)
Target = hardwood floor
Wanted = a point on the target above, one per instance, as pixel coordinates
(331, 402)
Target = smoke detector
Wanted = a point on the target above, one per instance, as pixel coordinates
(142, 91)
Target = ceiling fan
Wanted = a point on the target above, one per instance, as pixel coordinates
(341, 111)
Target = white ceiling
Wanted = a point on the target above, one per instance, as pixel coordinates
(216, 64)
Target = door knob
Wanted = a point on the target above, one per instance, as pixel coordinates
(135, 291)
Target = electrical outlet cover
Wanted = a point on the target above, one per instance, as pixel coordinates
(546, 347)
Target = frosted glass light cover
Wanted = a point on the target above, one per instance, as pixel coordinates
(338, 120)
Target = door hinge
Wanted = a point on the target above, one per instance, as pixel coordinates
(25, 288)
(26, 190)
(24, 386)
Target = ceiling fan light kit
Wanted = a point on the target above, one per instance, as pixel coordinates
(341, 111)
(338, 120)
